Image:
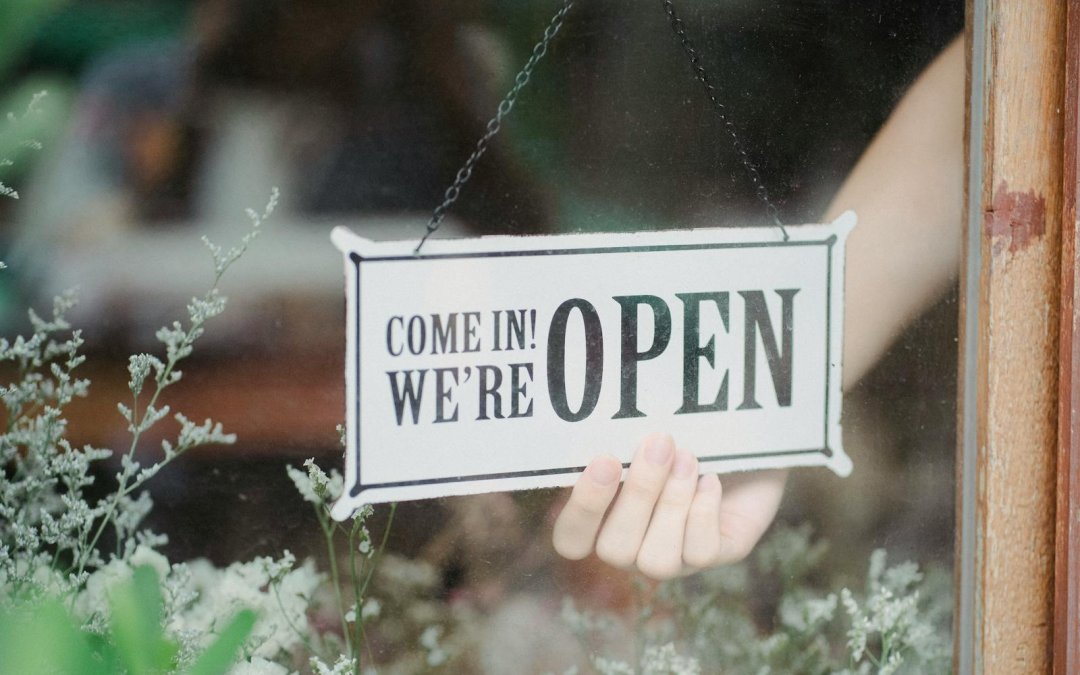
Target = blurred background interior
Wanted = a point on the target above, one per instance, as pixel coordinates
(166, 118)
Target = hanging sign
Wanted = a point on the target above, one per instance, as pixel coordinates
(505, 363)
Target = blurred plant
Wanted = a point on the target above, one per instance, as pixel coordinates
(389, 617)
(16, 138)
(398, 623)
(51, 528)
(710, 622)
(45, 637)
(66, 607)
(58, 586)
(19, 22)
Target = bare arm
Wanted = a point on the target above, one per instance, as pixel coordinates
(906, 190)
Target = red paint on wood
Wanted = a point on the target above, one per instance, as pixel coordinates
(1015, 219)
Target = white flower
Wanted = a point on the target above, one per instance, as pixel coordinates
(327, 488)
(372, 608)
(664, 660)
(144, 555)
(303, 484)
(343, 666)
(94, 599)
(258, 666)
(612, 666)
(429, 640)
(281, 603)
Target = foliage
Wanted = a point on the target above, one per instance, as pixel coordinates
(69, 605)
(45, 637)
(52, 562)
(389, 617)
(19, 20)
(58, 587)
(710, 622)
(14, 140)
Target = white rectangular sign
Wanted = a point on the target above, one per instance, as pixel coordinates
(505, 363)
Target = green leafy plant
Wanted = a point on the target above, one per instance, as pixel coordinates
(378, 597)
(67, 605)
(106, 605)
(45, 637)
(49, 526)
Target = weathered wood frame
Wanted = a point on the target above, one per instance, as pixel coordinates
(1067, 561)
(1018, 543)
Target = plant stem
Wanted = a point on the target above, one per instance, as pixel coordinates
(354, 576)
(328, 533)
(382, 546)
(361, 591)
(161, 382)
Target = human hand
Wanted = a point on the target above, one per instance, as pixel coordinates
(666, 521)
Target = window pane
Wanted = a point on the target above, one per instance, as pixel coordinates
(165, 128)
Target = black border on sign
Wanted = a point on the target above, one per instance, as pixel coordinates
(356, 258)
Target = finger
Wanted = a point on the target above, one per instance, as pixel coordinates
(702, 545)
(723, 531)
(661, 554)
(622, 533)
(575, 528)
(750, 503)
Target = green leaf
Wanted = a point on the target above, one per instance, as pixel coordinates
(221, 655)
(136, 625)
(19, 23)
(45, 639)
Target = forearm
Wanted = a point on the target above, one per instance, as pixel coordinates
(907, 191)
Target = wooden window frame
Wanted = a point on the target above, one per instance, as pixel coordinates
(1067, 550)
(1018, 460)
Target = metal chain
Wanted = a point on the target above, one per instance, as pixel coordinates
(495, 123)
(710, 91)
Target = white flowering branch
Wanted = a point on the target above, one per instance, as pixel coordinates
(179, 343)
(321, 490)
(14, 122)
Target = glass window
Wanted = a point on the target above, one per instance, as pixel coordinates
(164, 127)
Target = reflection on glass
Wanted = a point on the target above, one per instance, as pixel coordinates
(184, 113)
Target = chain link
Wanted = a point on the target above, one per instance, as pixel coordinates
(522, 80)
(495, 123)
(710, 91)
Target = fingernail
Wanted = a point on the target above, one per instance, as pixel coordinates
(659, 449)
(604, 473)
(684, 465)
(708, 483)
